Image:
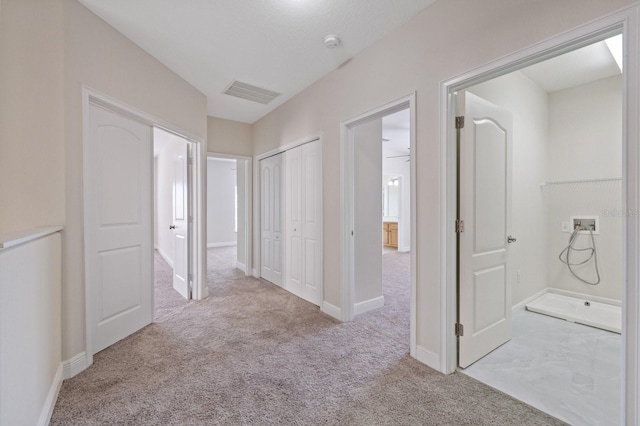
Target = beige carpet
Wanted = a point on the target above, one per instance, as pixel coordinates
(253, 354)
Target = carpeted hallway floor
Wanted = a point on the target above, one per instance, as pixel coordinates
(253, 354)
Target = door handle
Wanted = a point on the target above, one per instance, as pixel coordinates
(511, 239)
(172, 227)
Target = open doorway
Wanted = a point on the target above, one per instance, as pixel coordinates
(539, 182)
(172, 231)
(119, 219)
(228, 220)
(379, 261)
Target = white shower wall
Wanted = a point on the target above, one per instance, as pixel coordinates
(585, 142)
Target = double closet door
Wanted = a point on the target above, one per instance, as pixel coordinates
(291, 201)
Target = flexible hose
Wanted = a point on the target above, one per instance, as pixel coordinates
(593, 255)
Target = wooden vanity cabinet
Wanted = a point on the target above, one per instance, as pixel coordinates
(390, 234)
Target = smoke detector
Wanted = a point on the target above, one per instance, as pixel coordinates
(331, 41)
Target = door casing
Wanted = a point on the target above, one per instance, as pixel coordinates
(246, 220)
(625, 21)
(347, 310)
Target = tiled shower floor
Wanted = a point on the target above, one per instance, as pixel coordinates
(568, 370)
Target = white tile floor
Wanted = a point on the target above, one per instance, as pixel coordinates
(568, 370)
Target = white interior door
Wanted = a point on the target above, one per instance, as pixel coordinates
(312, 221)
(303, 193)
(485, 208)
(180, 225)
(272, 204)
(118, 226)
(293, 214)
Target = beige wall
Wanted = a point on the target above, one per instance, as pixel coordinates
(99, 57)
(228, 137)
(447, 39)
(31, 114)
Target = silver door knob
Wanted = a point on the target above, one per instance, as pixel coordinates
(511, 239)
(172, 227)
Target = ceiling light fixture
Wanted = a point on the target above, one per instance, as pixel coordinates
(615, 47)
(331, 41)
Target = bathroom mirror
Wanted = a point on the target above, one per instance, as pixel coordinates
(391, 197)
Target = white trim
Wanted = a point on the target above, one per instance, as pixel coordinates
(347, 197)
(254, 273)
(165, 256)
(74, 365)
(287, 147)
(331, 310)
(222, 159)
(425, 356)
(241, 266)
(222, 156)
(248, 197)
(198, 261)
(368, 305)
(626, 21)
(227, 244)
(13, 239)
(52, 397)
(529, 299)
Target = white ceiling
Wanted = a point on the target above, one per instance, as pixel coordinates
(273, 44)
(590, 63)
(396, 136)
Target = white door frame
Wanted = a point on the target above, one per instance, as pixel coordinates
(347, 160)
(257, 218)
(248, 170)
(625, 21)
(198, 261)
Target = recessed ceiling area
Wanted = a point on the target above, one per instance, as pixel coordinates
(277, 45)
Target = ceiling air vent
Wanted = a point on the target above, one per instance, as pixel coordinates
(250, 93)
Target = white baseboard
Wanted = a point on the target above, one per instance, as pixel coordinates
(52, 397)
(165, 257)
(74, 365)
(331, 310)
(368, 305)
(241, 266)
(254, 272)
(404, 249)
(529, 299)
(230, 243)
(430, 359)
